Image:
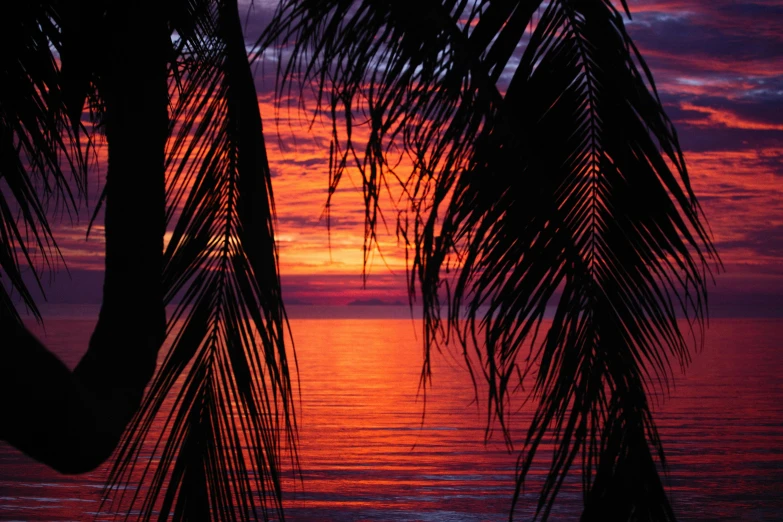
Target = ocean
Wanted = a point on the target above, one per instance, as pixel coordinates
(372, 448)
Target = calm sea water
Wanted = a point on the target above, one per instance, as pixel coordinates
(366, 454)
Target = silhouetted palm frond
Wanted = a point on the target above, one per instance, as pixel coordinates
(545, 172)
(39, 154)
(405, 72)
(226, 430)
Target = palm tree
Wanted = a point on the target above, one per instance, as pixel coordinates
(73, 420)
(220, 263)
(544, 171)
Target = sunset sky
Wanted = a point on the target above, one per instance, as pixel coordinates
(719, 69)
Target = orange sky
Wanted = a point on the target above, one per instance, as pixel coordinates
(719, 69)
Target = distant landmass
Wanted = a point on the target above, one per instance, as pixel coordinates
(374, 302)
(296, 302)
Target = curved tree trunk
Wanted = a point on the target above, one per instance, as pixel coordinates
(72, 421)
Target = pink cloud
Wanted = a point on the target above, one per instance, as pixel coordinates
(725, 118)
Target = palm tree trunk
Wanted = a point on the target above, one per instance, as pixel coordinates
(72, 421)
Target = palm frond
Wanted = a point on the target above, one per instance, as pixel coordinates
(413, 82)
(588, 195)
(40, 157)
(555, 181)
(222, 437)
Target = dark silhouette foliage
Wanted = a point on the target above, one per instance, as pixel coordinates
(210, 184)
(37, 152)
(544, 173)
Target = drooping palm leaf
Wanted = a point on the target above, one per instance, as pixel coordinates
(588, 195)
(225, 431)
(408, 78)
(545, 172)
(40, 159)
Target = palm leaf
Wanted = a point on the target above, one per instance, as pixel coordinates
(40, 159)
(598, 207)
(406, 79)
(222, 439)
(555, 181)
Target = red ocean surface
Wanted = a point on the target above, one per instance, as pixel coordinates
(369, 451)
